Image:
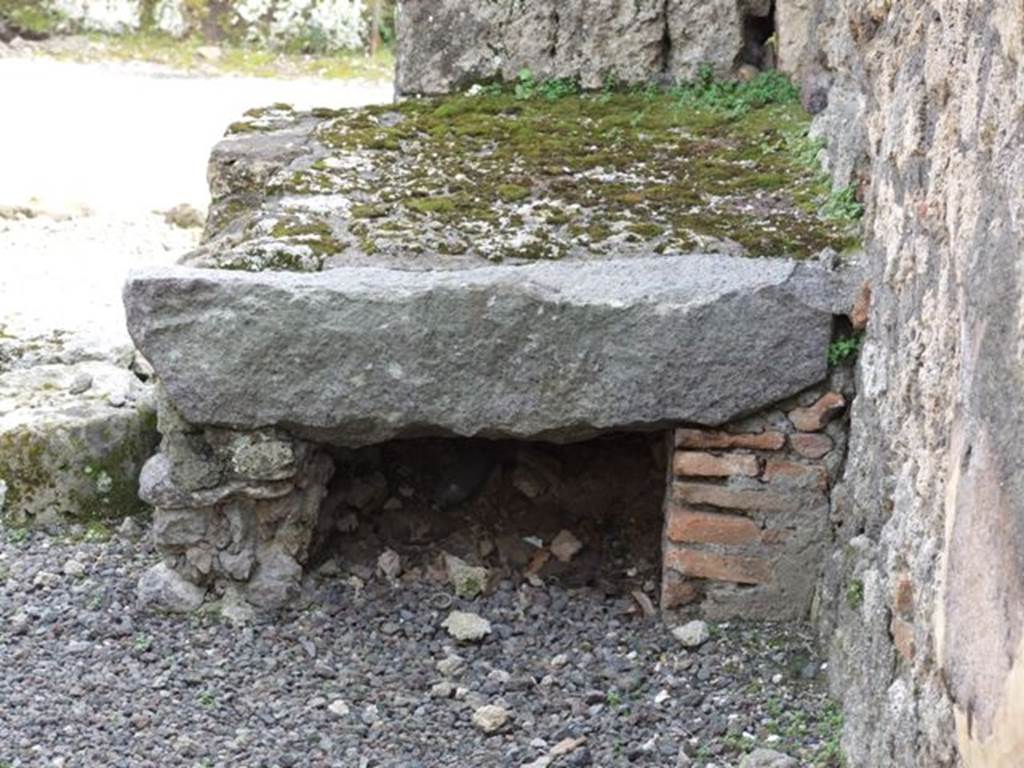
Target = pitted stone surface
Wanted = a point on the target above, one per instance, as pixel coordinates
(497, 176)
(549, 351)
(448, 44)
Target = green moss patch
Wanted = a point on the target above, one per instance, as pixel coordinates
(87, 472)
(511, 175)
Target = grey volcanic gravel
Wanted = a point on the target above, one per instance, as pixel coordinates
(352, 678)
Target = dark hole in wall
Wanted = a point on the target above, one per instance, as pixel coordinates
(759, 43)
(492, 502)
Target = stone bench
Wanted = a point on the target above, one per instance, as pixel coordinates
(366, 277)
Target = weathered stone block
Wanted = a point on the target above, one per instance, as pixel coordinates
(363, 355)
(72, 441)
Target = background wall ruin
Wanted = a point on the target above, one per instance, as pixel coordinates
(452, 44)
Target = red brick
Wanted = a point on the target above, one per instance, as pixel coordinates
(705, 439)
(811, 445)
(686, 525)
(700, 464)
(795, 473)
(708, 565)
(720, 496)
(677, 591)
(814, 417)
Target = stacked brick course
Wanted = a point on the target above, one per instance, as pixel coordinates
(747, 511)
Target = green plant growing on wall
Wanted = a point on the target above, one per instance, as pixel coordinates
(842, 205)
(844, 348)
(855, 594)
(736, 98)
(528, 87)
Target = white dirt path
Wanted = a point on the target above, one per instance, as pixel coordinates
(119, 141)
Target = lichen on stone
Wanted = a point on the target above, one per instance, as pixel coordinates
(494, 177)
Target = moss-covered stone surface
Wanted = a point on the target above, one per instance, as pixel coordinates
(498, 177)
(66, 456)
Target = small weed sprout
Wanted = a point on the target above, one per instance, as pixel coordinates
(843, 349)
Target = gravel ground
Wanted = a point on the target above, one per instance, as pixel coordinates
(353, 678)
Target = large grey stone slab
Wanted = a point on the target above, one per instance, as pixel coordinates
(556, 351)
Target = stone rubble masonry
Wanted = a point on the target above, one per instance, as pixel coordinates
(233, 511)
(747, 510)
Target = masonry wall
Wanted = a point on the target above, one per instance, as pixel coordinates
(924, 609)
(747, 513)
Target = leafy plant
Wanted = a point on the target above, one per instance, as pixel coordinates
(528, 87)
(842, 205)
(844, 348)
(855, 594)
(737, 98)
(830, 754)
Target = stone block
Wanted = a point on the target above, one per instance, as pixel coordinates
(621, 344)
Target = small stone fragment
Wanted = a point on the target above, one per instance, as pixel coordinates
(161, 587)
(442, 690)
(567, 745)
(339, 708)
(491, 718)
(81, 383)
(466, 627)
(815, 417)
(645, 603)
(389, 564)
(451, 665)
(468, 580)
(129, 529)
(566, 546)
(692, 634)
(810, 445)
(74, 568)
(19, 624)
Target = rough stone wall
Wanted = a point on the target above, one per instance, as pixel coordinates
(923, 607)
(453, 43)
